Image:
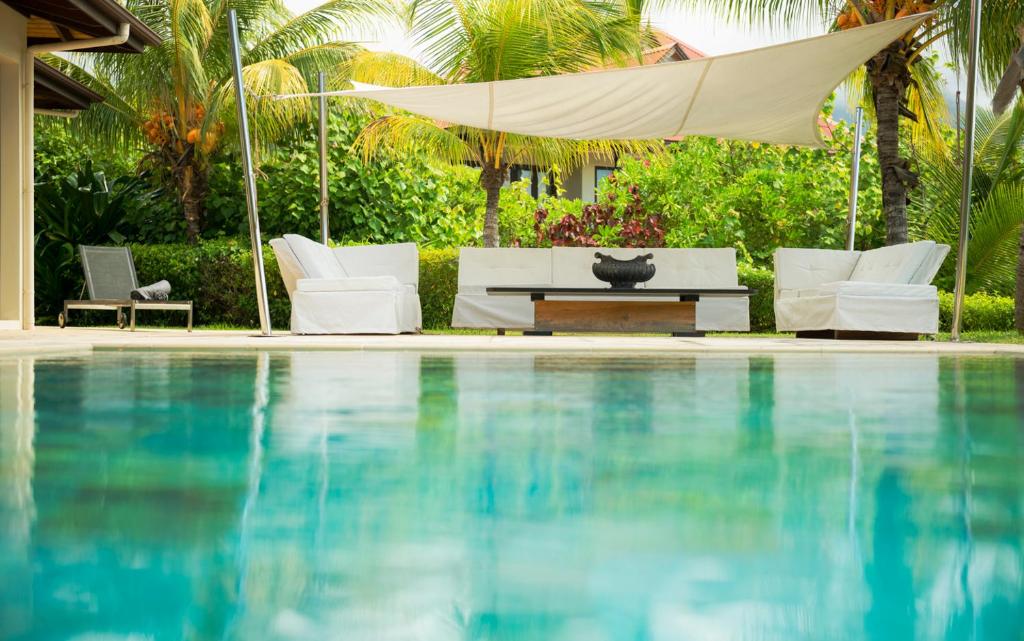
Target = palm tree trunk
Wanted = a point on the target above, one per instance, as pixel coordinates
(1018, 301)
(491, 179)
(192, 187)
(890, 76)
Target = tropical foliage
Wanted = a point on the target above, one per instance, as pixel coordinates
(997, 212)
(395, 198)
(488, 40)
(900, 81)
(602, 224)
(716, 193)
(176, 101)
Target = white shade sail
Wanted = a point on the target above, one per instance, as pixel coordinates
(771, 95)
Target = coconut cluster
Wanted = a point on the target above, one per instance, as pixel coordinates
(162, 129)
(849, 19)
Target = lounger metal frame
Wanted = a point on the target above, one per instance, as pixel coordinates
(119, 304)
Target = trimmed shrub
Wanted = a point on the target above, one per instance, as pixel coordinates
(439, 282)
(218, 277)
(982, 312)
(762, 304)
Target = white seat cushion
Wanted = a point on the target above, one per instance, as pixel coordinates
(893, 264)
(363, 284)
(873, 290)
(317, 260)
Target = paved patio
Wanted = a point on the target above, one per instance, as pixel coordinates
(51, 340)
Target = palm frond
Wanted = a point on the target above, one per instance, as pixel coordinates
(401, 134)
(314, 27)
(389, 70)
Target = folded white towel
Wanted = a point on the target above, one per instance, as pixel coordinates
(160, 290)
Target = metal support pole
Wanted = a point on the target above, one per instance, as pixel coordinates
(250, 177)
(851, 220)
(968, 165)
(324, 208)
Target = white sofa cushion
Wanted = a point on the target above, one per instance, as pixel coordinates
(925, 274)
(893, 264)
(875, 290)
(400, 260)
(480, 268)
(673, 268)
(802, 268)
(363, 284)
(287, 264)
(317, 260)
(698, 268)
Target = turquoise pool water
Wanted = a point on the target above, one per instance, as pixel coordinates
(399, 496)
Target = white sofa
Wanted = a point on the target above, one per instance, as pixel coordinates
(369, 289)
(572, 267)
(832, 293)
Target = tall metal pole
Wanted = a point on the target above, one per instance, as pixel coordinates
(250, 178)
(324, 210)
(968, 167)
(851, 220)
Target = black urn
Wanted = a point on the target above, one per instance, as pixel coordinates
(623, 274)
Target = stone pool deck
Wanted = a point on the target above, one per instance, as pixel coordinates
(50, 340)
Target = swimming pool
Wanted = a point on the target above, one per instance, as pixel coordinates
(402, 496)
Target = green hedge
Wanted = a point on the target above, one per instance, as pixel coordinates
(218, 277)
(762, 304)
(982, 312)
(439, 281)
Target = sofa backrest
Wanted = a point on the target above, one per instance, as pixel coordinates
(930, 267)
(287, 264)
(401, 260)
(698, 267)
(480, 268)
(892, 264)
(799, 268)
(674, 268)
(316, 259)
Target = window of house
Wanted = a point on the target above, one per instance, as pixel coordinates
(600, 173)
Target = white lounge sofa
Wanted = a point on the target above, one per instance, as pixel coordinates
(369, 289)
(885, 292)
(572, 267)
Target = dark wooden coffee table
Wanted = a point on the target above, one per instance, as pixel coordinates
(578, 309)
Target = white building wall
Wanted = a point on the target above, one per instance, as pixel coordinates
(16, 174)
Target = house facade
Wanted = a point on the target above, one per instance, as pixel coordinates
(29, 28)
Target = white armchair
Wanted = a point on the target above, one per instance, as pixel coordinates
(369, 289)
(884, 293)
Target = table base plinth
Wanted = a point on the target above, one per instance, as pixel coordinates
(634, 316)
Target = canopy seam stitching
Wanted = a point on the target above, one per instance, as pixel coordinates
(693, 98)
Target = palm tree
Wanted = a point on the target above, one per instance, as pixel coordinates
(488, 40)
(900, 82)
(997, 212)
(176, 100)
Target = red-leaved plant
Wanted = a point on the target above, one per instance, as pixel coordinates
(602, 225)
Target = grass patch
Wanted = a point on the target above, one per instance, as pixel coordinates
(1012, 338)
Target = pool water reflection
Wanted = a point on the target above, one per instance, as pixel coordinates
(358, 496)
